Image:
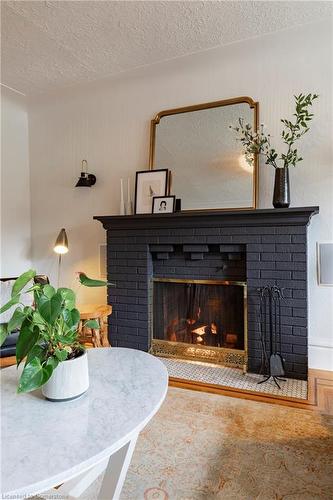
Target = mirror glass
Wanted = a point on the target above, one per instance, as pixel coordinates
(208, 168)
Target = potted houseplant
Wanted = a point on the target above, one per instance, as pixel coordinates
(258, 142)
(48, 340)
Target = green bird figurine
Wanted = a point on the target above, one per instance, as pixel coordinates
(84, 280)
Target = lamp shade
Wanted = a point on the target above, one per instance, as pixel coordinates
(61, 244)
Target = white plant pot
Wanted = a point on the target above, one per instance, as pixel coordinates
(69, 380)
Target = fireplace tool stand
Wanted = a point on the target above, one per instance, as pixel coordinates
(272, 363)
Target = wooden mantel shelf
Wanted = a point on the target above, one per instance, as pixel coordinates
(299, 216)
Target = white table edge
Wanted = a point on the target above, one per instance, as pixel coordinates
(53, 481)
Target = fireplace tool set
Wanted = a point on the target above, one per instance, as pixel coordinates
(269, 319)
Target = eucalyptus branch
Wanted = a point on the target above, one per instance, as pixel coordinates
(257, 142)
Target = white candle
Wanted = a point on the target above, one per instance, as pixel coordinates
(122, 204)
(128, 191)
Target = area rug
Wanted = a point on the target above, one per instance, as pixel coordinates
(206, 446)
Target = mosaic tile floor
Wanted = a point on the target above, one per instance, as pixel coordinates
(232, 377)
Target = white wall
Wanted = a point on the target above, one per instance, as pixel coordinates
(15, 186)
(108, 124)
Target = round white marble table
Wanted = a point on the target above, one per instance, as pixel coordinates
(45, 444)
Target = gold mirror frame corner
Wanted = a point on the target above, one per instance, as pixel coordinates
(207, 105)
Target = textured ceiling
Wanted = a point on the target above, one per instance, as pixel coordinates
(53, 44)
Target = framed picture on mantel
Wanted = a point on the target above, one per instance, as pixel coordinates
(148, 184)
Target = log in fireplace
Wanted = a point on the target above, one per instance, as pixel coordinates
(204, 320)
(263, 247)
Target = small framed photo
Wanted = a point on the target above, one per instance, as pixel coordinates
(148, 184)
(163, 204)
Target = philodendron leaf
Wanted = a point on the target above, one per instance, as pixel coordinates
(68, 338)
(11, 303)
(37, 351)
(68, 296)
(3, 332)
(52, 361)
(38, 320)
(22, 281)
(50, 309)
(92, 323)
(16, 320)
(71, 318)
(34, 375)
(61, 354)
(48, 291)
(26, 340)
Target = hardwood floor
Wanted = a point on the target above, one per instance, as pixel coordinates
(320, 395)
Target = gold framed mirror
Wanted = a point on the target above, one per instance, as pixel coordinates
(208, 168)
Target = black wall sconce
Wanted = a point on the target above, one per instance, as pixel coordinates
(85, 179)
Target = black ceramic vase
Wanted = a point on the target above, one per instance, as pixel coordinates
(281, 196)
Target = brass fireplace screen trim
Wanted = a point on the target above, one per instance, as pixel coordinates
(235, 358)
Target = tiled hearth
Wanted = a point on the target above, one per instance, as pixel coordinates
(272, 250)
(221, 376)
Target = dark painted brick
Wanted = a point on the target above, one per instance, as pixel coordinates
(300, 368)
(260, 230)
(292, 248)
(277, 267)
(246, 239)
(162, 256)
(127, 315)
(300, 349)
(300, 313)
(264, 247)
(206, 231)
(299, 257)
(161, 248)
(195, 248)
(292, 284)
(299, 275)
(286, 329)
(253, 256)
(257, 283)
(275, 257)
(276, 238)
(197, 256)
(291, 320)
(300, 330)
(275, 274)
(298, 238)
(261, 265)
(232, 248)
(286, 311)
(291, 266)
(253, 273)
(299, 340)
(294, 303)
(218, 239)
(291, 230)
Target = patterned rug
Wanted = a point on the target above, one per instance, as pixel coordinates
(206, 446)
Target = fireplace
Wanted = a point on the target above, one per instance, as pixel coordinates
(200, 319)
(265, 247)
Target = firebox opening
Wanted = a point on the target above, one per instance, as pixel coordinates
(206, 315)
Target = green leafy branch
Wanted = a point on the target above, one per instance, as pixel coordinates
(257, 142)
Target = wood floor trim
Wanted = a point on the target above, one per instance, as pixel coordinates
(320, 392)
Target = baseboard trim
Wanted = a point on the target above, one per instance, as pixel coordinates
(320, 392)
